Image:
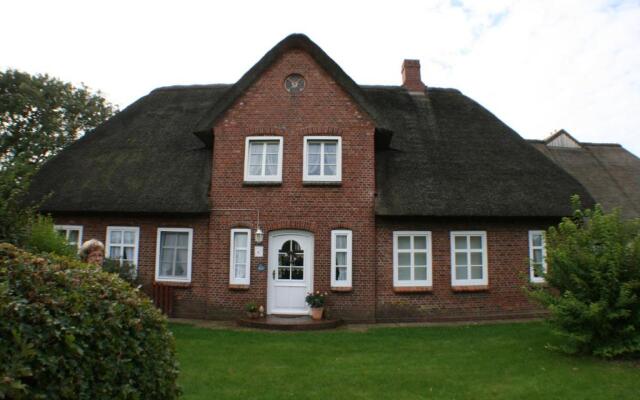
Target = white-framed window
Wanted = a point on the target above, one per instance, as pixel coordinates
(537, 256)
(322, 157)
(341, 255)
(122, 244)
(263, 159)
(240, 257)
(412, 258)
(173, 254)
(73, 233)
(469, 258)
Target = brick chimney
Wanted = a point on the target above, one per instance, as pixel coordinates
(411, 76)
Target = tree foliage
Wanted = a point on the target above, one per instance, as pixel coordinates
(68, 330)
(593, 276)
(39, 116)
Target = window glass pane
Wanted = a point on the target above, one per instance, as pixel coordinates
(284, 273)
(314, 170)
(297, 273)
(330, 159)
(298, 260)
(165, 269)
(476, 258)
(273, 148)
(168, 239)
(460, 242)
(270, 170)
(240, 271)
(421, 274)
(330, 148)
(404, 242)
(314, 148)
(329, 170)
(341, 274)
(255, 159)
(404, 273)
(272, 159)
(404, 259)
(240, 240)
(341, 258)
(116, 237)
(476, 242)
(420, 242)
(341, 241)
(128, 237)
(255, 170)
(314, 159)
(537, 270)
(295, 246)
(62, 232)
(461, 258)
(73, 236)
(166, 255)
(420, 259)
(461, 272)
(241, 256)
(536, 239)
(537, 255)
(476, 272)
(181, 270)
(255, 148)
(128, 254)
(283, 259)
(183, 239)
(181, 256)
(114, 252)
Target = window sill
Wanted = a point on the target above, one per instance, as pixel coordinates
(321, 183)
(538, 283)
(341, 288)
(474, 288)
(262, 183)
(238, 287)
(173, 284)
(412, 289)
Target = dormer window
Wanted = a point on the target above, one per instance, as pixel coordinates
(322, 159)
(263, 159)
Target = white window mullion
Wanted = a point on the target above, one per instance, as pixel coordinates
(161, 250)
(348, 255)
(468, 251)
(262, 143)
(412, 251)
(233, 262)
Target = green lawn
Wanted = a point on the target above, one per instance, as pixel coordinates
(503, 361)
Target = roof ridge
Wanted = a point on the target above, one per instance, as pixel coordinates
(194, 86)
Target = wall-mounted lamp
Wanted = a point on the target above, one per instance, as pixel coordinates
(259, 235)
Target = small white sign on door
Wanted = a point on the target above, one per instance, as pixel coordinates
(258, 250)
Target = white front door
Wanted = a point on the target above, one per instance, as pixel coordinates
(290, 272)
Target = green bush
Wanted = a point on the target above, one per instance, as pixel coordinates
(70, 331)
(593, 276)
(125, 270)
(42, 238)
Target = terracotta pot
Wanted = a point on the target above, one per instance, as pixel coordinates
(252, 314)
(316, 313)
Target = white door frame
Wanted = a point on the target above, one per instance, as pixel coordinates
(273, 284)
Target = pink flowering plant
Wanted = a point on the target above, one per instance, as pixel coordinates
(317, 299)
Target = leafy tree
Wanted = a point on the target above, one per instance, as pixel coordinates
(39, 116)
(593, 276)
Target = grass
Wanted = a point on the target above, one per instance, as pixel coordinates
(505, 361)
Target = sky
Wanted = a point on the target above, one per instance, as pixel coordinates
(539, 65)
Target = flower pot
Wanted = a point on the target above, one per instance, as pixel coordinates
(316, 313)
(253, 314)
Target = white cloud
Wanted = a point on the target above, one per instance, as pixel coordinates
(539, 66)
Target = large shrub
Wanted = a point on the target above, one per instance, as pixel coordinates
(70, 331)
(42, 238)
(594, 283)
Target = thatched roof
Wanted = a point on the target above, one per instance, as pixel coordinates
(449, 156)
(145, 159)
(609, 172)
(438, 154)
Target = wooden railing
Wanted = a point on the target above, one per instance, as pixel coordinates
(163, 298)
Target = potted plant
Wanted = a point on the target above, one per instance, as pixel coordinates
(252, 309)
(316, 302)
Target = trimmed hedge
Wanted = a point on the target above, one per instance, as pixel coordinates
(69, 330)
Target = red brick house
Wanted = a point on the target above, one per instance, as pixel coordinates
(404, 202)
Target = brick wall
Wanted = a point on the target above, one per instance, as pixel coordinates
(323, 108)
(507, 250)
(190, 300)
